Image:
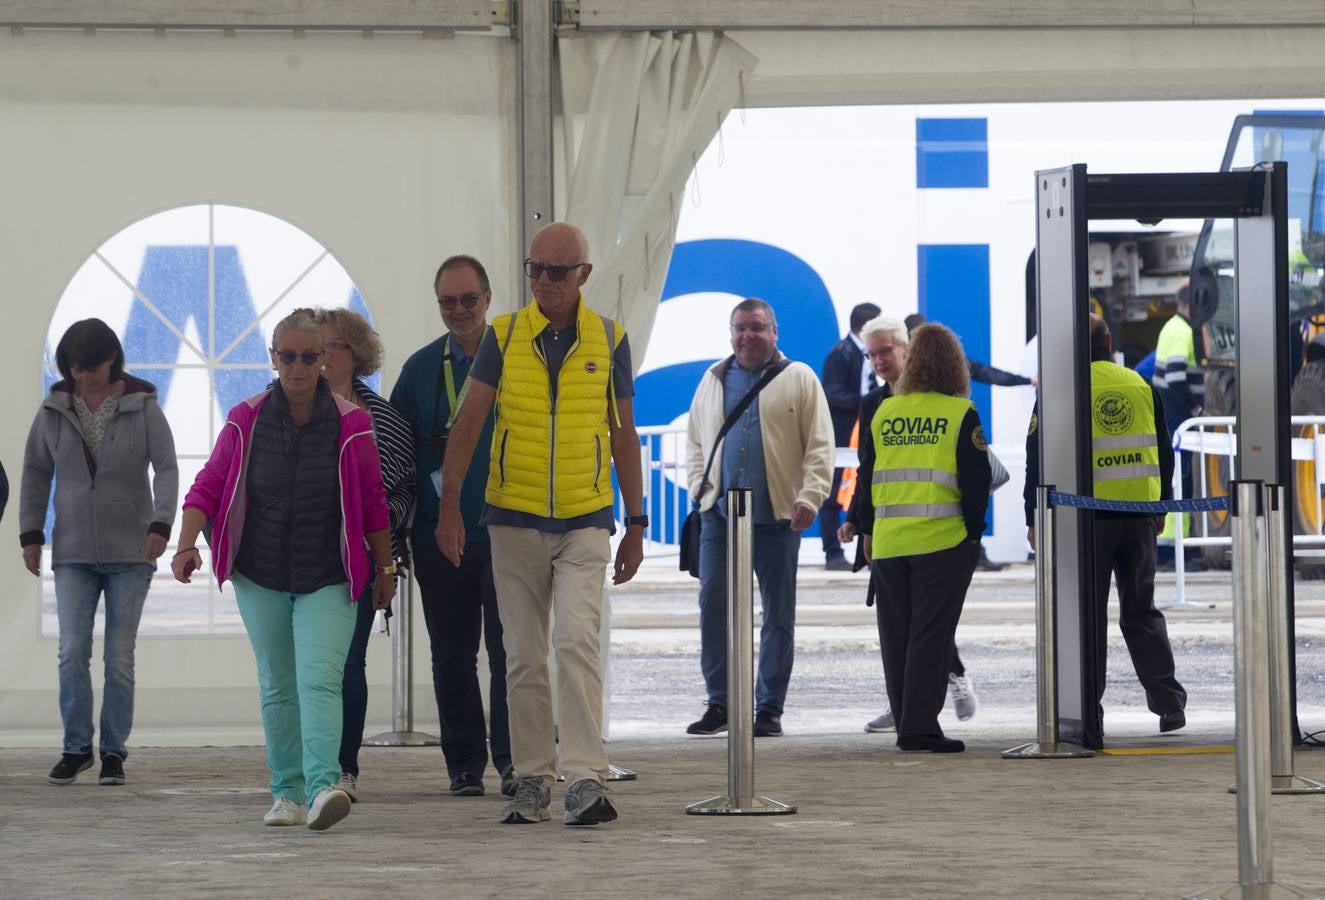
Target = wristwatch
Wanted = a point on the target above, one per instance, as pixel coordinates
(387, 570)
(641, 520)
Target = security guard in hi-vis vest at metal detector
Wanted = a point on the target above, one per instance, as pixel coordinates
(930, 489)
(1131, 459)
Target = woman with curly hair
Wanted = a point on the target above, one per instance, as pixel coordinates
(930, 490)
(354, 351)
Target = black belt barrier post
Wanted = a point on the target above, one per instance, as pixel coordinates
(402, 733)
(741, 799)
(1251, 695)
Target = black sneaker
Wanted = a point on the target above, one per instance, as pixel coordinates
(67, 769)
(466, 784)
(767, 724)
(837, 563)
(508, 781)
(714, 721)
(112, 770)
(985, 564)
(929, 743)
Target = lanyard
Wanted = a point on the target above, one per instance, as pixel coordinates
(446, 375)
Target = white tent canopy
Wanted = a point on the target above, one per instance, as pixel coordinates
(393, 141)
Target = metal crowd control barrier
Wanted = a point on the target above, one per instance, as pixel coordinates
(741, 799)
(1251, 665)
(1046, 745)
(1193, 437)
(402, 733)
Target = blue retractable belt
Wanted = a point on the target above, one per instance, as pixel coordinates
(1156, 507)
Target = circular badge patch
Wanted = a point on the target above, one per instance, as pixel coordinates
(591, 367)
(1035, 423)
(1114, 412)
(978, 438)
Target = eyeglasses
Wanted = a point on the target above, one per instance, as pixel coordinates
(752, 328)
(882, 353)
(287, 357)
(448, 302)
(554, 273)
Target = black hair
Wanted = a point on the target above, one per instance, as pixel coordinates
(87, 344)
(913, 321)
(463, 259)
(862, 313)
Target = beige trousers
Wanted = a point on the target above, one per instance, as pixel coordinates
(552, 582)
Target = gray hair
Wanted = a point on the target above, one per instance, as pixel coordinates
(754, 304)
(299, 320)
(893, 328)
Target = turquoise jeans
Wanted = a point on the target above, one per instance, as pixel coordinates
(300, 641)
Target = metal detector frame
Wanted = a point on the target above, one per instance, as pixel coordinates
(1066, 199)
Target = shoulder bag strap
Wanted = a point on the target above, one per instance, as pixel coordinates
(769, 374)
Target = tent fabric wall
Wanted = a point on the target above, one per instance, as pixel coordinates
(637, 111)
(367, 145)
(976, 65)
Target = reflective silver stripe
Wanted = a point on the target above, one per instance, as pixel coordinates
(926, 476)
(1175, 376)
(1121, 472)
(1124, 441)
(918, 511)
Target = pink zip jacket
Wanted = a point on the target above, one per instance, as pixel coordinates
(218, 491)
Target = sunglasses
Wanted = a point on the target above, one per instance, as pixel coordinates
(554, 273)
(287, 357)
(448, 302)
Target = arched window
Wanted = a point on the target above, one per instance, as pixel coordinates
(194, 294)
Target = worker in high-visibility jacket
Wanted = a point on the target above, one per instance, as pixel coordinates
(930, 484)
(886, 344)
(1131, 459)
(1180, 383)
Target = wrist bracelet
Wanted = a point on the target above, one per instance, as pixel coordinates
(185, 550)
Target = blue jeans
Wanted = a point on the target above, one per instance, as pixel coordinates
(775, 551)
(78, 589)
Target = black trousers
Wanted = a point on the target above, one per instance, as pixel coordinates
(460, 605)
(1125, 550)
(830, 516)
(920, 600)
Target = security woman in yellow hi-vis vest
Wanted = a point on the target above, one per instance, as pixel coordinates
(1131, 459)
(930, 486)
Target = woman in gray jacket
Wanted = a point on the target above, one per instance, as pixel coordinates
(95, 434)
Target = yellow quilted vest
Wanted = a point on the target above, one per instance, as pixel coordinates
(549, 461)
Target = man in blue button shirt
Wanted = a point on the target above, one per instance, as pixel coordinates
(781, 449)
(459, 602)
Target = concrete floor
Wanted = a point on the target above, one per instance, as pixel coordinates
(872, 822)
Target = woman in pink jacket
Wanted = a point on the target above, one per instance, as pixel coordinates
(292, 494)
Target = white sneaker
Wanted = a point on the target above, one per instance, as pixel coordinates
(962, 693)
(350, 785)
(285, 812)
(881, 723)
(329, 807)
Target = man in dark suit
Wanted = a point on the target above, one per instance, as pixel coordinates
(847, 377)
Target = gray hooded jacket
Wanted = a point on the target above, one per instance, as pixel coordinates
(104, 510)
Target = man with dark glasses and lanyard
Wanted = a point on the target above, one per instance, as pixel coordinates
(459, 602)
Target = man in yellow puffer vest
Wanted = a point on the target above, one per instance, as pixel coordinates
(1131, 459)
(560, 376)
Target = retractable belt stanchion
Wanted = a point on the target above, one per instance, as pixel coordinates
(1251, 669)
(741, 799)
(402, 733)
(1046, 745)
(1282, 779)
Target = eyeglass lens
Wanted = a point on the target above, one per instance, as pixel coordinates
(288, 357)
(449, 302)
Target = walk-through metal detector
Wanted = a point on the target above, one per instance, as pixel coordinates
(1066, 199)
